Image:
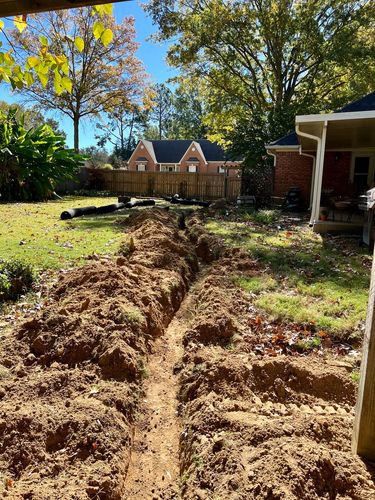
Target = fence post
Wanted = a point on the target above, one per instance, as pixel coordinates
(226, 183)
(363, 440)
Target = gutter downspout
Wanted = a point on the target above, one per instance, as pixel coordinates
(316, 177)
(274, 168)
(313, 173)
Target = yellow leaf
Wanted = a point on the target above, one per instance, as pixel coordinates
(43, 40)
(103, 9)
(32, 61)
(43, 78)
(98, 29)
(1, 24)
(79, 43)
(106, 37)
(65, 68)
(20, 23)
(58, 85)
(29, 79)
(67, 84)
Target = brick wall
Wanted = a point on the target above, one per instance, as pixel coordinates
(336, 173)
(295, 170)
(142, 153)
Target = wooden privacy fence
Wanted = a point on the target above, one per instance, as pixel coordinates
(190, 185)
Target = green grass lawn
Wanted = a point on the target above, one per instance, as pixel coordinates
(303, 277)
(34, 233)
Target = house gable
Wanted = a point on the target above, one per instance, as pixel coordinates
(142, 155)
(193, 159)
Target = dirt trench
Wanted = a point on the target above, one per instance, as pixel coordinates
(141, 379)
(73, 377)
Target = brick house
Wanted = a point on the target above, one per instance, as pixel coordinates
(200, 156)
(330, 157)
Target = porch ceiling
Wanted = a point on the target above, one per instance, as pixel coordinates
(16, 7)
(342, 133)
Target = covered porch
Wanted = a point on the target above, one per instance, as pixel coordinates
(342, 146)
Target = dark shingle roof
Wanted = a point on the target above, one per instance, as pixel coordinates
(288, 140)
(171, 151)
(366, 103)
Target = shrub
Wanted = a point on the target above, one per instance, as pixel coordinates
(16, 278)
(32, 161)
(107, 166)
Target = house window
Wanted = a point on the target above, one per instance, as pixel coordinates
(192, 168)
(221, 170)
(141, 167)
(363, 173)
(169, 167)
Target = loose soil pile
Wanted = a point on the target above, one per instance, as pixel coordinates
(100, 384)
(71, 376)
(260, 426)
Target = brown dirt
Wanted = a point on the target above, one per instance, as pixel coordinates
(72, 375)
(114, 391)
(260, 426)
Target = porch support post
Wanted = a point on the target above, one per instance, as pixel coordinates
(318, 175)
(363, 439)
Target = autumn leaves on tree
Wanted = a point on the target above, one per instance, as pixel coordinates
(102, 67)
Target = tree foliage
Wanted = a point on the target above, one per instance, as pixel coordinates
(32, 160)
(121, 127)
(32, 116)
(100, 63)
(45, 64)
(259, 62)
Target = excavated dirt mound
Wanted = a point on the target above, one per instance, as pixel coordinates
(71, 376)
(260, 426)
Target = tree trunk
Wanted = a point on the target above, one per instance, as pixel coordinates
(76, 133)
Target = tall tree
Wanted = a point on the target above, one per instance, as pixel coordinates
(162, 109)
(259, 62)
(187, 114)
(121, 127)
(101, 73)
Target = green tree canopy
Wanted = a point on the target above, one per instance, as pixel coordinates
(257, 63)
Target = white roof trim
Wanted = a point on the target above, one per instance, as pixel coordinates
(198, 146)
(283, 147)
(150, 149)
(330, 117)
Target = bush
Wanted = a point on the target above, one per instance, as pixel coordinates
(262, 216)
(16, 278)
(107, 166)
(32, 161)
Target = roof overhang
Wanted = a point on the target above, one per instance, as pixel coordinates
(353, 130)
(18, 7)
(285, 149)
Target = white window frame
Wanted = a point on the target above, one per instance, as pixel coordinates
(141, 167)
(221, 170)
(192, 169)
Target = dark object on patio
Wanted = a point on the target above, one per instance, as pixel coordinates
(77, 212)
(293, 200)
(186, 201)
(247, 201)
(105, 209)
(123, 199)
(139, 203)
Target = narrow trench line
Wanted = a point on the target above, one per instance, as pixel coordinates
(154, 471)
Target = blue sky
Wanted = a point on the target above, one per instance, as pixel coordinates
(152, 54)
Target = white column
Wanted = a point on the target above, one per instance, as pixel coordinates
(319, 175)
